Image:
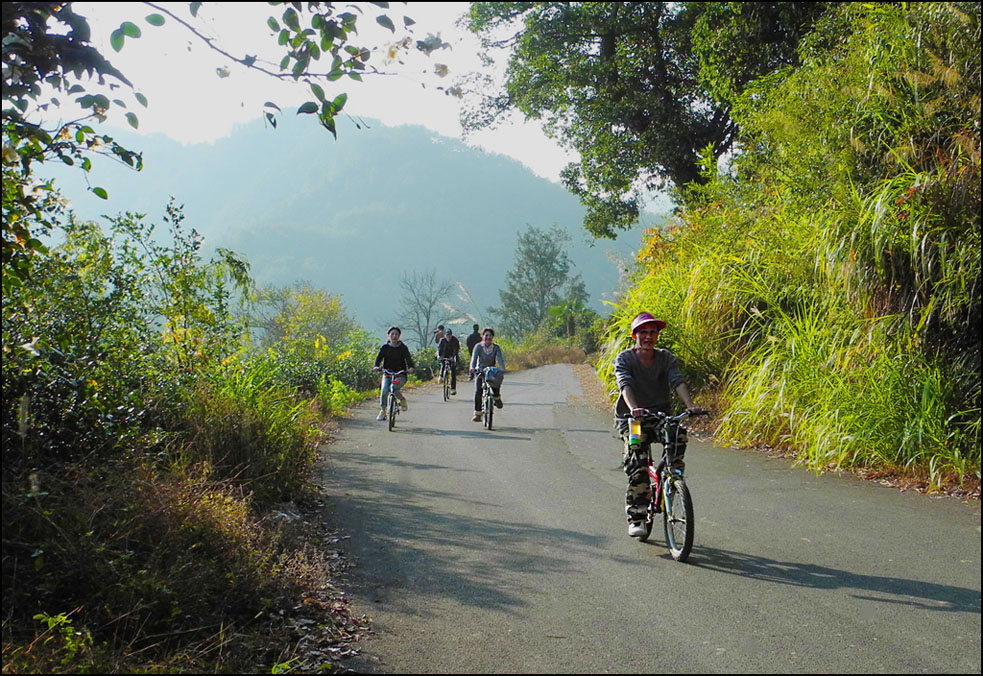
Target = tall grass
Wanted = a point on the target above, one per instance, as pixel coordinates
(245, 427)
(830, 284)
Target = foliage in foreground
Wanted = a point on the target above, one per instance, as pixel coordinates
(830, 285)
(145, 446)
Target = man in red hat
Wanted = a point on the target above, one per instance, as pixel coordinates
(646, 377)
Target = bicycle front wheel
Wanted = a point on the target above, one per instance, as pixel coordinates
(393, 410)
(446, 382)
(677, 516)
(489, 412)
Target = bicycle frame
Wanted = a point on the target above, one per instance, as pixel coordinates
(487, 399)
(669, 494)
(392, 403)
(446, 364)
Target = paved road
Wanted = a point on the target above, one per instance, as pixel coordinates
(507, 551)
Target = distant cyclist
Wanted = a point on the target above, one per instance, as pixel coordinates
(450, 348)
(646, 377)
(438, 334)
(394, 357)
(487, 353)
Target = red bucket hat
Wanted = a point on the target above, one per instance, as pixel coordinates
(645, 318)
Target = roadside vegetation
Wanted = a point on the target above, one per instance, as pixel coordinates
(826, 282)
(153, 445)
(162, 416)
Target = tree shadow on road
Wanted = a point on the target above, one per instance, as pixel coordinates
(413, 543)
(927, 595)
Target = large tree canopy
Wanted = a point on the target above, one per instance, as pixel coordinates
(641, 90)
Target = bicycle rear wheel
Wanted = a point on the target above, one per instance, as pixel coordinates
(393, 410)
(677, 518)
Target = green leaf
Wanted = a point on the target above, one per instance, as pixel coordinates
(116, 39)
(318, 91)
(270, 104)
(385, 22)
(307, 108)
(290, 18)
(273, 24)
(132, 119)
(155, 20)
(141, 98)
(130, 29)
(327, 121)
(100, 192)
(339, 102)
(194, 7)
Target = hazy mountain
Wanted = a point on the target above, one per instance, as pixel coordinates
(352, 215)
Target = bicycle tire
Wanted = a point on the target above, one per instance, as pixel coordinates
(489, 411)
(677, 519)
(446, 382)
(393, 410)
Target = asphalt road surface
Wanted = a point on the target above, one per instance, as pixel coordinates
(507, 551)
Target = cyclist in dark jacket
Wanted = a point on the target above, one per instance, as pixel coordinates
(450, 348)
(393, 356)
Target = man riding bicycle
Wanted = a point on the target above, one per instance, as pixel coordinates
(450, 348)
(646, 377)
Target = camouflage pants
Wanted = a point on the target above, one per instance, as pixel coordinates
(639, 492)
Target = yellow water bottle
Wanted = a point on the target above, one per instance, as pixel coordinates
(634, 432)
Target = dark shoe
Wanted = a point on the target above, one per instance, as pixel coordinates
(498, 402)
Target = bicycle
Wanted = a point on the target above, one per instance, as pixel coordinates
(487, 399)
(669, 493)
(446, 364)
(392, 401)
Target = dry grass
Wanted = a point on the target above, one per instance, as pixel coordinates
(547, 355)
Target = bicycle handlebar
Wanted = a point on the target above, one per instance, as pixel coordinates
(659, 415)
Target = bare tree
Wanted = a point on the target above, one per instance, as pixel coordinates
(422, 303)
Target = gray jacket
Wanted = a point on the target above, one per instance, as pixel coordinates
(652, 386)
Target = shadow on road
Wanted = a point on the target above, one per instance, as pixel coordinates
(926, 595)
(415, 543)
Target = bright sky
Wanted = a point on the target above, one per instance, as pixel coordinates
(189, 102)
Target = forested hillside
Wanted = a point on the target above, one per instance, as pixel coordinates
(300, 205)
